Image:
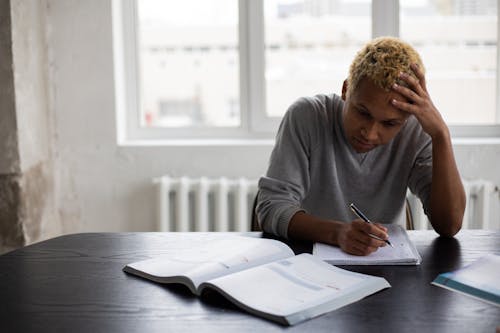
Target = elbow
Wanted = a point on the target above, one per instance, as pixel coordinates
(450, 227)
(448, 222)
(262, 219)
(449, 231)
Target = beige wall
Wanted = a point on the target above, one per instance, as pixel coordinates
(27, 199)
(70, 173)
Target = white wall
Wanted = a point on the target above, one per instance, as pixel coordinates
(103, 187)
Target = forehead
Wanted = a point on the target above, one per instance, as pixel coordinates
(376, 100)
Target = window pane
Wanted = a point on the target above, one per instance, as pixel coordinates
(458, 43)
(309, 47)
(188, 63)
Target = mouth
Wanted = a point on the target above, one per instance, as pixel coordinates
(361, 145)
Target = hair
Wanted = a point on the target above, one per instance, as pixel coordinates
(382, 60)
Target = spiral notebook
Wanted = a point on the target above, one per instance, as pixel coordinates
(404, 251)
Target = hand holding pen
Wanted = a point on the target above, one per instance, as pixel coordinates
(364, 218)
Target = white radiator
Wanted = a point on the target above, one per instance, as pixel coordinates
(222, 204)
(481, 196)
(203, 204)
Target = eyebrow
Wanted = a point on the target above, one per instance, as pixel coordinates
(362, 106)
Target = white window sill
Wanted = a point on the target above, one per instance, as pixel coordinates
(196, 142)
(475, 141)
(460, 141)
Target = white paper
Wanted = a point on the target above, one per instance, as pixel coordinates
(403, 252)
(213, 259)
(484, 274)
(296, 288)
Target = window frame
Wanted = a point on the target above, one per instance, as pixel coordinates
(255, 125)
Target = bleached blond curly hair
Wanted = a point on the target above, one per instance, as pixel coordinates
(381, 60)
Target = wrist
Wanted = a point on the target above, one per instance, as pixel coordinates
(310, 228)
(441, 136)
(336, 230)
(329, 231)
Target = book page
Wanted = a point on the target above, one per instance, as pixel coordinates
(479, 279)
(212, 259)
(295, 289)
(484, 273)
(403, 252)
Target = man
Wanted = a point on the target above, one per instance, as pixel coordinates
(382, 136)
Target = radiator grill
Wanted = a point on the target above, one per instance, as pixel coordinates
(223, 204)
(220, 204)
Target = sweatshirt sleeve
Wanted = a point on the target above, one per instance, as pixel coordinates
(421, 174)
(287, 180)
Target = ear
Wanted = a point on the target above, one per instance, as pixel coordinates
(344, 90)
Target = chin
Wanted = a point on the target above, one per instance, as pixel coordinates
(365, 150)
(361, 148)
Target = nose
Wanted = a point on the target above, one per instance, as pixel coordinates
(369, 131)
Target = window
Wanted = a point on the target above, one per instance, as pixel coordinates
(188, 63)
(309, 46)
(461, 59)
(222, 69)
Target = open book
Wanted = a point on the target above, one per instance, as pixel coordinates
(403, 252)
(263, 277)
(481, 279)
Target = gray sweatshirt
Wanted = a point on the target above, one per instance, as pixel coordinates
(314, 169)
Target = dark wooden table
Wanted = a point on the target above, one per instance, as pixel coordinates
(75, 283)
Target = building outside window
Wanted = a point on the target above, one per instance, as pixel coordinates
(228, 68)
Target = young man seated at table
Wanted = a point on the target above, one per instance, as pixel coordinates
(382, 136)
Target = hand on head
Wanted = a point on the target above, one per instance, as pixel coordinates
(419, 102)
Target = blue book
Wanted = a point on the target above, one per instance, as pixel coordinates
(479, 279)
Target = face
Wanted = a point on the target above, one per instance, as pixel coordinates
(370, 120)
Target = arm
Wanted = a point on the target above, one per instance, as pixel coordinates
(447, 192)
(447, 197)
(287, 178)
(287, 182)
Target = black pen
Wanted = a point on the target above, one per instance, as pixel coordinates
(364, 218)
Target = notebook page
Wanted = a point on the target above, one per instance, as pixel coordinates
(403, 252)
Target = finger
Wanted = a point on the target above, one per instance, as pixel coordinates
(419, 74)
(383, 228)
(407, 92)
(359, 242)
(362, 231)
(380, 226)
(373, 241)
(407, 107)
(414, 83)
(376, 230)
(359, 224)
(368, 240)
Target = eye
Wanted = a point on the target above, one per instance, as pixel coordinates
(390, 123)
(363, 113)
